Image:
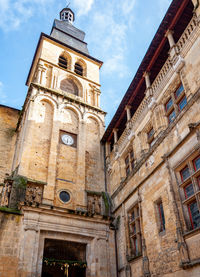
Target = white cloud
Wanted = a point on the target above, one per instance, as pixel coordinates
(127, 6)
(14, 13)
(3, 96)
(83, 6)
(111, 23)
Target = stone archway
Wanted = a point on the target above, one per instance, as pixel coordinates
(63, 259)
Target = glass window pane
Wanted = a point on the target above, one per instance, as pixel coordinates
(132, 164)
(134, 228)
(127, 171)
(182, 103)
(162, 217)
(131, 154)
(179, 91)
(171, 116)
(169, 104)
(136, 246)
(189, 190)
(195, 215)
(64, 196)
(185, 173)
(197, 163)
(127, 160)
(150, 133)
(132, 216)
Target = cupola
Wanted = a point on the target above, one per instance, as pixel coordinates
(67, 15)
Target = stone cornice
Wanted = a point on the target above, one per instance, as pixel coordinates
(70, 97)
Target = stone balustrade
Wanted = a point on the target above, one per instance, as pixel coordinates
(18, 191)
(183, 45)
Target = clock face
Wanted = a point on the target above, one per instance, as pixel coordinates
(67, 139)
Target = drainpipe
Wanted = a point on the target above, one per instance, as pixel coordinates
(116, 252)
(104, 155)
(114, 227)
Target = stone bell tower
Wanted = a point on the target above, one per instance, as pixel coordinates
(62, 122)
(57, 177)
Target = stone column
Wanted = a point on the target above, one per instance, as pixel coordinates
(25, 139)
(98, 99)
(49, 190)
(29, 250)
(147, 80)
(148, 91)
(115, 135)
(80, 173)
(169, 35)
(107, 148)
(173, 49)
(128, 112)
(43, 76)
(196, 4)
(102, 257)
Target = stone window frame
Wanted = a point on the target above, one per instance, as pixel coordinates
(149, 131)
(160, 216)
(60, 200)
(68, 59)
(174, 108)
(83, 66)
(129, 160)
(151, 136)
(191, 195)
(62, 61)
(134, 230)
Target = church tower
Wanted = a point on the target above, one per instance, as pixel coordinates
(62, 122)
(57, 181)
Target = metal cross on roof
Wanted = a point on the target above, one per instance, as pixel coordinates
(68, 4)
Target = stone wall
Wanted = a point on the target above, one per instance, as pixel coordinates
(8, 123)
(10, 233)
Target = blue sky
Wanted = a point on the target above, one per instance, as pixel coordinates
(118, 32)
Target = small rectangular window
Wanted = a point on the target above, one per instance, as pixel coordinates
(171, 116)
(169, 104)
(198, 181)
(129, 162)
(194, 214)
(185, 173)
(189, 190)
(182, 103)
(179, 91)
(196, 163)
(150, 133)
(135, 232)
(161, 216)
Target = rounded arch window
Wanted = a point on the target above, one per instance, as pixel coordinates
(78, 69)
(62, 62)
(64, 196)
(69, 86)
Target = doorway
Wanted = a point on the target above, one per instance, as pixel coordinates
(64, 259)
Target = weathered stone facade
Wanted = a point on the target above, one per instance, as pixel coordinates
(54, 191)
(158, 234)
(54, 188)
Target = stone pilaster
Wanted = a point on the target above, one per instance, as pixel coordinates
(144, 146)
(159, 119)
